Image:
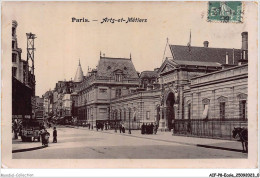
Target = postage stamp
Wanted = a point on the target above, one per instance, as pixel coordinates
(225, 11)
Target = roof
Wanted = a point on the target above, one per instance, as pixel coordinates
(149, 74)
(79, 74)
(108, 66)
(204, 54)
(198, 63)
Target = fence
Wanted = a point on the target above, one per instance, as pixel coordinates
(221, 129)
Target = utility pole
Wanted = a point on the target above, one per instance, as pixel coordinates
(30, 60)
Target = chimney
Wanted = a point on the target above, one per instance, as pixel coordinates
(206, 44)
(226, 57)
(244, 48)
(244, 40)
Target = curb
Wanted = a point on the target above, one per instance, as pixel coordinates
(28, 149)
(183, 143)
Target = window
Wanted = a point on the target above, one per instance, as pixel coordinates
(14, 70)
(102, 110)
(103, 90)
(118, 77)
(222, 110)
(134, 114)
(118, 92)
(13, 44)
(242, 109)
(189, 111)
(124, 114)
(147, 115)
(205, 111)
(14, 57)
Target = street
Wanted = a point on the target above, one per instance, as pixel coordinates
(81, 143)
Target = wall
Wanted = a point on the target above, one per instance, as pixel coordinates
(229, 86)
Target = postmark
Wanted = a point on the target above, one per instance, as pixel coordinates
(225, 11)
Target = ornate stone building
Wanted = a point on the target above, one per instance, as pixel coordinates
(193, 83)
(179, 97)
(113, 77)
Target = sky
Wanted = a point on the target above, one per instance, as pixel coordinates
(60, 43)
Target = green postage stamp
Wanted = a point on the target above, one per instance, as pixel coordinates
(225, 11)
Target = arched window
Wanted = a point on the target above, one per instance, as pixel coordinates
(124, 114)
(222, 107)
(242, 105)
(205, 103)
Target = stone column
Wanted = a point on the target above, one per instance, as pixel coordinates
(181, 103)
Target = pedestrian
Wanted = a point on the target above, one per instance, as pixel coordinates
(115, 127)
(120, 127)
(146, 129)
(149, 128)
(43, 133)
(54, 135)
(152, 127)
(123, 128)
(155, 128)
(143, 129)
(189, 126)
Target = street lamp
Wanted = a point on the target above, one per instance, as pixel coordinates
(129, 130)
(92, 121)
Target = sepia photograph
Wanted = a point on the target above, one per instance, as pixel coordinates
(130, 84)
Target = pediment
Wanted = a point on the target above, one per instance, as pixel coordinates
(167, 66)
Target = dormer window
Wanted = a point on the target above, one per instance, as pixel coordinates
(125, 68)
(108, 67)
(118, 77)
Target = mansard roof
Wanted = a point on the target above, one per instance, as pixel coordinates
(79, 74)
(149, 74)
(205, 54)
(107, 66)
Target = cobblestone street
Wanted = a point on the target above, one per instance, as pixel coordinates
(81, 143)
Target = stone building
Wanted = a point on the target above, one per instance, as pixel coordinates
(23, 81)
(39, 108)
(180, 97)
(193, 83)
(113, 77)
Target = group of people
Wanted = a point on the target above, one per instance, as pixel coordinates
(45, 135)
(122, 128)
(149, 128)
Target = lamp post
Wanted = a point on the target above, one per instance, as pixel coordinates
(92, 121)
(129, 130)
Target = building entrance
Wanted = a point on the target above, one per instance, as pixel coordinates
(170, 110)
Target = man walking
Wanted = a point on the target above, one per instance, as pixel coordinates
(54, 135)
(120, 127)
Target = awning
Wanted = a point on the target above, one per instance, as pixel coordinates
(205, 112)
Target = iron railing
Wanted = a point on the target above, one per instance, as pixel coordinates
(216, 128)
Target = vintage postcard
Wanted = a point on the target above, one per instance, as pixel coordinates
(129, 84)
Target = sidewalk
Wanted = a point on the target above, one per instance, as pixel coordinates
(228, 145)
(19, 146)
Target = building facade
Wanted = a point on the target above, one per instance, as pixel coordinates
(113, 77)
(23, 81)
(193, 83)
